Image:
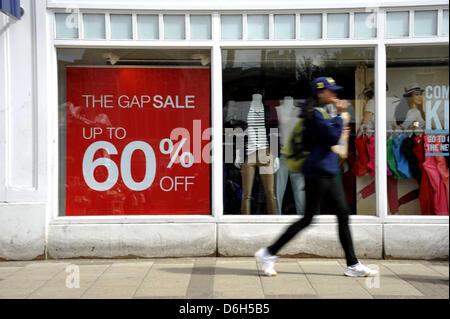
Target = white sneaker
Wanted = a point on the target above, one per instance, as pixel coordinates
(267, 260)
(359, 270)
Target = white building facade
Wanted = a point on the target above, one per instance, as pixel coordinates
(99, 98)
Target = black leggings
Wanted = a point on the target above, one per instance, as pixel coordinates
(316, 190)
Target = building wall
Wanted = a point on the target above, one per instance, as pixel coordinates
(27, 188)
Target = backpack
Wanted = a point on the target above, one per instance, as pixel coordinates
(295, 151)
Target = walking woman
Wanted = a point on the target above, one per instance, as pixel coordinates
(320, 168)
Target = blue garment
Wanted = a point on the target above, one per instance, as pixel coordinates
(402, 162)
(297, 183)
(319, 135)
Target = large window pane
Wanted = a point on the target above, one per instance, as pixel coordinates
(263, 91)
(417, 130)
(425, 23)
(397, 24)
(258, 26)
(284, 26)
(134, 132)
(231, 27)
(338, 25)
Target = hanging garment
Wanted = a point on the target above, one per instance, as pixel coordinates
(402, 162)
(391, 157)
(407, 149)
(388, 170)
(426, 191)
(362, 158)
(430, 166)
(371, 152)
(443, 172)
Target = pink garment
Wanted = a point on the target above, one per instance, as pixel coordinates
(440, 199)
(443, 172)
(371, 152)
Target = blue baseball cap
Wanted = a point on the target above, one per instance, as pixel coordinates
(325, 82)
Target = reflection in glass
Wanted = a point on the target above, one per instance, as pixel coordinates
(417, 130)
(263, 94)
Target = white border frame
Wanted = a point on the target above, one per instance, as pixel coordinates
(379, 44)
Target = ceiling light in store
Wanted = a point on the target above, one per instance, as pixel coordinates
(111, 57)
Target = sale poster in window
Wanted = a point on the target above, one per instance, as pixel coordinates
(138, 141)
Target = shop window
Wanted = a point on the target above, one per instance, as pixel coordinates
(200, 27)
(134, 132)
(66, 25)
(263, 94)
(231, 27)
(148, 26)
(174, 27)
(121, 26)
(417, 110)
(94, 26)
(338, 25)
(397, 24)
(365, 25)
(258, 26)
(311, 26)
(425, 23)
(284, 26)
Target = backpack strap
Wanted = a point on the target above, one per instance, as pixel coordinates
(324, 113)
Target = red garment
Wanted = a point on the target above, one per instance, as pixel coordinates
(392, 193)
(443, 172)
(440, 199)
(371, 152)
(426, 192)
(360, 166)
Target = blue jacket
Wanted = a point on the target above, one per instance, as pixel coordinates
(319, 135)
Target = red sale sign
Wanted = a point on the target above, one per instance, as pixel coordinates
(138, 141)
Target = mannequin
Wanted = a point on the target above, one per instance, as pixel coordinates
(287, 118)
(257, 155)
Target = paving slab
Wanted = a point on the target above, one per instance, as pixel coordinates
(425, 279)
(328, 280)
(166, 280)
(237, 279)
(23, 282)
(62, 287)
(5, 272)
(120, 280)
(201, 284)
(290, 282)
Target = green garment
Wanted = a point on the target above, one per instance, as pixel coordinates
(391, 158)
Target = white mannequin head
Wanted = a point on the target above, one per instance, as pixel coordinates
(257, 97)
(288, 101)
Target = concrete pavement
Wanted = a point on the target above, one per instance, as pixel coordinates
(219, 278)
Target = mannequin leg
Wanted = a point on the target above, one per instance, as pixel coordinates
(266, 172)
(248, 175)
(281, 177)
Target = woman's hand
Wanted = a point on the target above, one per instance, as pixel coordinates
(341, 105)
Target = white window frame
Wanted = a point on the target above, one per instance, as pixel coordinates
(215, 45)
